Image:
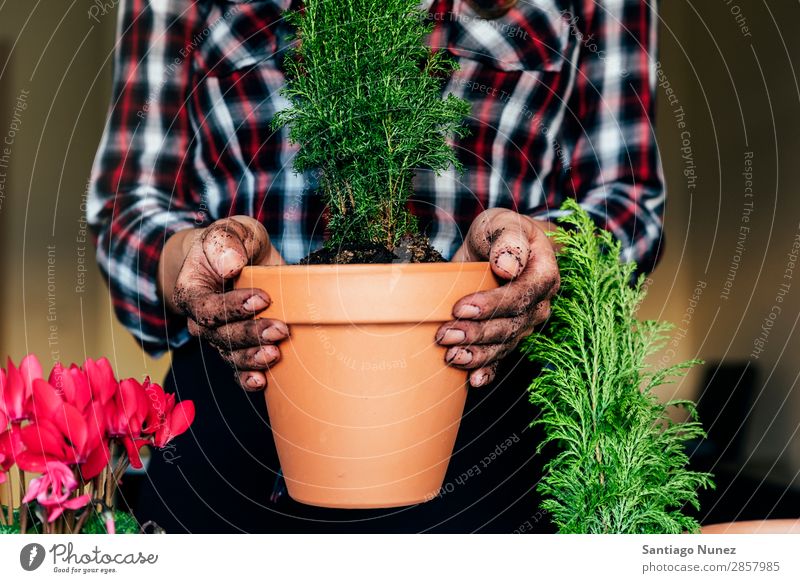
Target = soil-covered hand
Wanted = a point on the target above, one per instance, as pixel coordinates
(490, 324)
(214, 256)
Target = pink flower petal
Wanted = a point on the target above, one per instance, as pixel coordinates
(35, 487)
(55, 512)
(30, 369)
(96, 427)
(3, 390)
(98, 459)
(101, 379)
(14, 393)
(11, 441)
(129, 390)
(156, 407)
(45, 438)
(63, 383)
(46, 400)
(32, 462)
(83, 394)
(143, 408)
(132, 447)
(181, 417)
(72, 424)
(79, 502)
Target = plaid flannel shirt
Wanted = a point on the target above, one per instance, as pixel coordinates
(562, 95)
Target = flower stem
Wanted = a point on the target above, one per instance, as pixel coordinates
(70, 522)
(21, 476)
(10, 502)
(109, 492)
(122, 465)
(110, 483)
(23, 518)
(84, 517)
(97, 490)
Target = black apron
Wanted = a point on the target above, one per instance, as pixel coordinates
(223, 475)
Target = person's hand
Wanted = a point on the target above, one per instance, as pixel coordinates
(490, 324)
(199, 288)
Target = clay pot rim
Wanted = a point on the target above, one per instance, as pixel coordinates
(373, 268)
(765, 526)
(381, 293)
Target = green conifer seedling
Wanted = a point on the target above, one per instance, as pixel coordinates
(621, 464)
(366, 111)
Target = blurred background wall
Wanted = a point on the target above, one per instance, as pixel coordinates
(733, 211)
(55, 89)
(729, 133)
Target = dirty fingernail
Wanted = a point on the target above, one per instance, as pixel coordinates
(254, 381)
(459, 356)
(468, 311)
(277, 331)
(509, 263)
(453, 336)
(228, 262)
(479, 379)
(255, 304)
(266, 355)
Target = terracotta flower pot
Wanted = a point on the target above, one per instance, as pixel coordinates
(363, 408)
(754, 527)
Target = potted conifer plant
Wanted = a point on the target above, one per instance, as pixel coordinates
(363, 408)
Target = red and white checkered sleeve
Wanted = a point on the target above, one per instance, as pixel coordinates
(139, 193)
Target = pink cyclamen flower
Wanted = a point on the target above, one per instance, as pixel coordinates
(3, 469)
(101, 379)
(70, 385)
(62, 433)
(125, 413)
(143, 414)
(94, 382)
(16, 387)
(53, 490)
(166, 418)
(6, 456)
(16, 402)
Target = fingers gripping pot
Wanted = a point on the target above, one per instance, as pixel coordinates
(363, 408)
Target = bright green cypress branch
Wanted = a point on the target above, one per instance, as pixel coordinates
(621, 461)
(366, 110)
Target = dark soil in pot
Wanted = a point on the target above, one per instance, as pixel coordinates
(410, 249)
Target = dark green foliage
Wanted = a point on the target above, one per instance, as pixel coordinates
(621, 461)
(366, 110)
(14, 528)
(124, 523)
